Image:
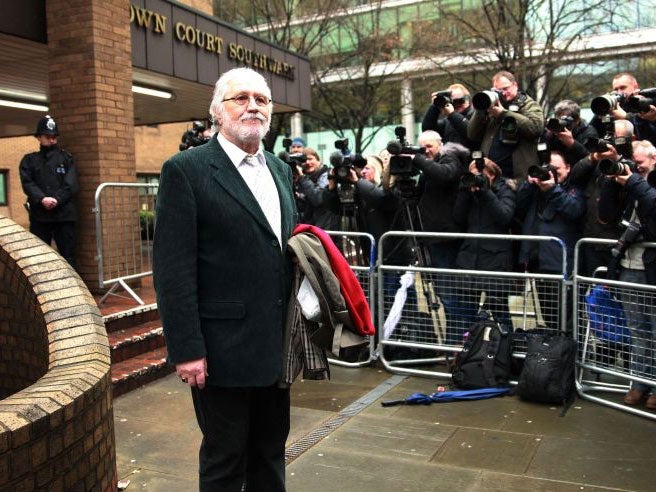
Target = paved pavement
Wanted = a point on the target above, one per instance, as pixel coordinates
(342, 439)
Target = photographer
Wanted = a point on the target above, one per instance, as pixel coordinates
(586, 175)
(449, 114)
(441, 169)
(630, 192)
(320, 205)
(507, 127)
(567, 132)
(486, 205)
(549, 205)
(199, 134)
(641, 114)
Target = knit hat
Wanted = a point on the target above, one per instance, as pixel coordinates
(298, 141)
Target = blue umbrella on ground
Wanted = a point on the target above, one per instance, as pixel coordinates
(447, 396)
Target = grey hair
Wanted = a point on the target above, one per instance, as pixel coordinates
(626, 125)
(221, 87)
(647, 146)
(430, 135)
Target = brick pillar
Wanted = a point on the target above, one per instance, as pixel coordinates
(90, 75)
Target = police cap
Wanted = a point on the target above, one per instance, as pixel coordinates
(46, 126)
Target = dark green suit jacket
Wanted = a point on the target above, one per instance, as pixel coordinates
(222, 280)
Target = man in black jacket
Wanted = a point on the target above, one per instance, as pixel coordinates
(49, 180)
(571, 133)
(441, 170)
(449, 116)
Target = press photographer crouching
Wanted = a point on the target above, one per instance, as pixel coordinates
(485, 205)
(199, 134)
(626, 189)
(549, 204)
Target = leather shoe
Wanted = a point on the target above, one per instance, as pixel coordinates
(635, 397)
(651, 402)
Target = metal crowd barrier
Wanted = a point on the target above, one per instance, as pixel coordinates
(422, 334)
(359, 249)
(125, 215)
(616, 338)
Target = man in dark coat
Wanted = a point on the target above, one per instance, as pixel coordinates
(225, 211)
(49, 180)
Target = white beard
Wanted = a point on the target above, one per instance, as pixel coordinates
(248, 133)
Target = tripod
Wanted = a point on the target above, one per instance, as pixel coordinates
(413, 221)
(351, 248)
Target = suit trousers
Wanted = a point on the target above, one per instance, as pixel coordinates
(244, 434)
(62, 232)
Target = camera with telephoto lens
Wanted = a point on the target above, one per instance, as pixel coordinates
(400, 164)
(441, 99)
(641, 102)
(629, 236)
(594, 144)
(561, 124)
(194, 137)
(293, 159)
(610, 167)
(484, 100)
(544, 171)
(602, 105)
(343, 161)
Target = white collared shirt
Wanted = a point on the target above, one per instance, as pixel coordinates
(259, 180)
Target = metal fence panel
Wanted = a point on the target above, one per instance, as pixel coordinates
(616, 338)
(359, 249)
(124, 216)
(424, 313)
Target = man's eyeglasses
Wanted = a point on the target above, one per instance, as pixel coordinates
(244, 99)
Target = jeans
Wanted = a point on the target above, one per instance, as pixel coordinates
(640, 315)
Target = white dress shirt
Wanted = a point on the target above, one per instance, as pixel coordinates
(255, 172)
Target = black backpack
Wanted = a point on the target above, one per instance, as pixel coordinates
(485, 358)
(548, 372)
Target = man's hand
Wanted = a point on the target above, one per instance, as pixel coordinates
(611, 153)
(543, 185)
(447, 110)
(496, 110)
(565, 137)
(621, 179)
(49, 202)
(649, 115)
(193, 372)
(618, 113)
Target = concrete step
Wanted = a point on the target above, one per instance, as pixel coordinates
(136, 371)
(136, 340)
(130, 318)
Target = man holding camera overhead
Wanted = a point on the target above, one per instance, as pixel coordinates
(449, 114)
(567, 132)
(506, 126)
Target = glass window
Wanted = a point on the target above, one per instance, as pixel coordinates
(3, 186)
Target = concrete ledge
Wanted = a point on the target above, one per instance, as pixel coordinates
(56, 418)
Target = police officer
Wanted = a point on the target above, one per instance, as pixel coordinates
(49, 180)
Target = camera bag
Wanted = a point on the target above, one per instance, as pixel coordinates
(548, 372)
(484, 361)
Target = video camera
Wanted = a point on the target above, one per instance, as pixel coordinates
(480, 180)
(401, 161)
(343, 161)
(544, 171)
(295, 159)
(640, 102)
(602, 105)
(194, 137)
(561, 124)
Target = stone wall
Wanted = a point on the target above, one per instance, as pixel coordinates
(56, 418)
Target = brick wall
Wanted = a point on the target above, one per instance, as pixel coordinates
(57, 430)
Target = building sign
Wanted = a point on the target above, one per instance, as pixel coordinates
(203, 40)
